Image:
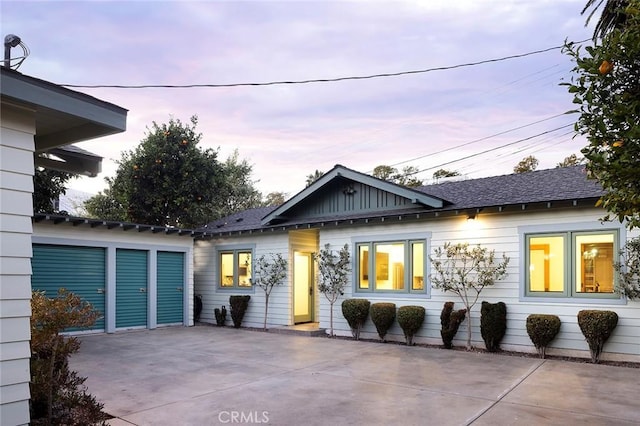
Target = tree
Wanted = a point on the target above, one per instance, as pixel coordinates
(267, 274)
(334, 272)
(611, 17)
(527, 164)
(274, 199)
(405, 177)
(48, 186)
(628, 269)
(606, 87)
(569, 161)
(313, 177)
(466, 271)
(444, 173)
(169, 181)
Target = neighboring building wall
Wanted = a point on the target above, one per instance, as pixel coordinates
(16, 208)
(67, 234)
(499, 232)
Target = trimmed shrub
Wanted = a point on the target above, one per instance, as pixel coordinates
(542, 329)
(383, 315)
(355, 312)
(597, 326)
(221, 316)
(410, 319)
(450, 321)
(238, 305)
(493, 324)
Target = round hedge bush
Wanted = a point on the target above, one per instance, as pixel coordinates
(542, 329)
(597, 326)
(355, 312)
(410, 319)
(383, 315)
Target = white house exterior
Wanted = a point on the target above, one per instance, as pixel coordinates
(36, 116)
(519, 215)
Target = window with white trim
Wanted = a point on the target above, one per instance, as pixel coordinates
(571, 264)
(396, 266)
(234, 269)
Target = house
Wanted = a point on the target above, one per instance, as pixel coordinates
(36, 116)
(546, 222)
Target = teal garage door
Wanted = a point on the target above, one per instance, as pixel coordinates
(170, 287)
(131, 288)
(81, 270)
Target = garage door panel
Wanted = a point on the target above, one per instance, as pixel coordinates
(131, 288)
(170, 291)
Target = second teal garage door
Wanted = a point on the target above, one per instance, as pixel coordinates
(170, 287)
(131, 288)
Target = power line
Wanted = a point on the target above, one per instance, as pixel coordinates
(315, 80)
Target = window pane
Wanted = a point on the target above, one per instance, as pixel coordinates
(594, 263)
(363, 266)
(546, 264)
(226, 269)
(389, 266)
(417, 266)
(244, 269)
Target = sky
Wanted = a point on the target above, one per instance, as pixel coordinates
(459, 119)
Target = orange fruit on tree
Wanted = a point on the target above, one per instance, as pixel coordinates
(605, 67)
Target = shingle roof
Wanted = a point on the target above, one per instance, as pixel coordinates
(543, 186)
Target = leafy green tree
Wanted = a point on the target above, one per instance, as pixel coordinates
(527, 164)
(572, 160)
(384, 172)
(404, 177)
(612, 15)
(274, 199)
(169, 181)
(444, 173)
(313, 177)
(334, 269)
(48, 186)
(606, 87)
(269, 272)
(466, 271)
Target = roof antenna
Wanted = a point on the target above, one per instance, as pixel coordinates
(12, 40)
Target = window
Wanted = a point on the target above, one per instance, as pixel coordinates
(571, 264)
(391, 266)
(235, 269)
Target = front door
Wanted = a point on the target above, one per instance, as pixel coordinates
(302, 287)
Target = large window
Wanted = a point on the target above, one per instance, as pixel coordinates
(571, 264)
(391, 266)
(235, 268)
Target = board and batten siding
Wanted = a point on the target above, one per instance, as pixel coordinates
(207, 281)
(116, 239)
(16, 208)
(501, 233)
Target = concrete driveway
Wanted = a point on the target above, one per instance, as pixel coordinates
(209, 376)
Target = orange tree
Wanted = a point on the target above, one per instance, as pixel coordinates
(606, 87)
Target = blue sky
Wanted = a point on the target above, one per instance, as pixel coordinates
(289, 131)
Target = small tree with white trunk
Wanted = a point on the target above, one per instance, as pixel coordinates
(466, 271)
(269, 272)
(334, 269)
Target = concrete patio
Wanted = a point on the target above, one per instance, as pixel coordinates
(208, 375)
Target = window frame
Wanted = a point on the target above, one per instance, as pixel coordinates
(407, 240)
(569, 232)
(236, 250)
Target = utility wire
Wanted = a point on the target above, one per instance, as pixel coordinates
(315, 80)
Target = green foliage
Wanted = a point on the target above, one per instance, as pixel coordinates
(628, 270)
(221, 316)
(333, 275)
(313, 177)
(238, 305)
(597, 326)
(527, 164)
(405, 177)
(606, 87)
(383, 315)
(58, 394)
(410, 319)
(610, 18)
(466, 271)
(570, 161)
(356, 312)
(169, 181)
(542, 329)
(450, 321)
(48, 186)
(269, 272)
(274, 199)
(493, 324)
(444, 173)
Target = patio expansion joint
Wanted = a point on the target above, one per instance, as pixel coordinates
(506, 392)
